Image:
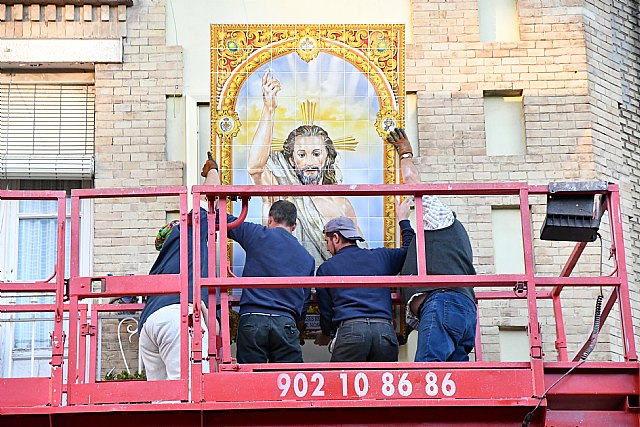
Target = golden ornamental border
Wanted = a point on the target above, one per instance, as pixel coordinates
(238, 50)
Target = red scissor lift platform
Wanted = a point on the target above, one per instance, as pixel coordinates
(404, 393)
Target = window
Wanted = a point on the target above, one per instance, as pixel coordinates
(204, 132)
(507, 240)
(28, 237)
(175, 145)
(498, 20)
(47, 128)
(46, 143)
(504, 123)
(514, 344)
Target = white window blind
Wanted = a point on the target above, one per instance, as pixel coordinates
(46, 131)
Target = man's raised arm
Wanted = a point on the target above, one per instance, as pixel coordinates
(437, 215)
(260, 148)
(398, 138)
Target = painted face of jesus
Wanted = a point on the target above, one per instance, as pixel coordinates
(310, 159)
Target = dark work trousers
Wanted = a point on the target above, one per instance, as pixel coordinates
(365, 340)
(269, 338)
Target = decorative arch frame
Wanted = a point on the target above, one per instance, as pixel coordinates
(377, 51)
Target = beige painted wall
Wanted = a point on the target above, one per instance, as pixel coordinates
(188, 26)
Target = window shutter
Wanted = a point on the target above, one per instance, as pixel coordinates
(46, 131)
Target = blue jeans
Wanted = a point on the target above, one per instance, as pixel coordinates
(266, 338)
(365, 340)
(447, 330)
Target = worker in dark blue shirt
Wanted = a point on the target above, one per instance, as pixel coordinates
(159, 325)
(267, 329)
(365, 332)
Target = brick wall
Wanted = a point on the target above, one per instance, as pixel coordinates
(626, 55)
(611, 32)
(130, 152)
(130, 141)
(130, 129)
(450, 68)
(604, 94)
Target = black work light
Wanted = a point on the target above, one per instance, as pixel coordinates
(572, 215)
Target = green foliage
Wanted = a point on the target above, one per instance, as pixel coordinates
(124, 375)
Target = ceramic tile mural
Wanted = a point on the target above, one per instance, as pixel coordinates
(340, 88)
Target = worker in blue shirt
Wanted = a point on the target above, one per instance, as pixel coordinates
(267, 329)
(362, 316)
(160, 320)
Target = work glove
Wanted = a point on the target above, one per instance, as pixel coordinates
(302, 327)
(208, 165)
(398, 138)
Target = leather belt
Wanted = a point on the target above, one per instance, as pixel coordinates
(367, 320)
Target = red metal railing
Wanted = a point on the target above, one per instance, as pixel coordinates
(39, 391)
(322, 385)
(81, 390)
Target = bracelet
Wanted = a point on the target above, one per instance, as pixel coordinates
(406, 156)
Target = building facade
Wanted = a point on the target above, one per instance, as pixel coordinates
(529, 91)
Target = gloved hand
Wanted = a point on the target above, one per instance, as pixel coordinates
(302, 327)
(398, 138)
(208, 165)
(322, 339)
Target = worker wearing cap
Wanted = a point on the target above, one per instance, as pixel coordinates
(444, 317)
(362, 316)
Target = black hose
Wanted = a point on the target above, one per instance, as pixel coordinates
(593, 339)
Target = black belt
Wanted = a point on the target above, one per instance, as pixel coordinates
(367, 320)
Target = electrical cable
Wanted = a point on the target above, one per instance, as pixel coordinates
(527, 418)
(175, 31)
(583, 358)
(601, 253)
(593, 339)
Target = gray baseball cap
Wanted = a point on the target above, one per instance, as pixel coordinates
(344, 226)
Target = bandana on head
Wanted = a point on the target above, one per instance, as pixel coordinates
(164, 232)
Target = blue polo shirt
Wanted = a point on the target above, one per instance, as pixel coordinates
(272, 252)
(339, 304)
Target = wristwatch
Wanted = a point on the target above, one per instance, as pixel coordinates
(406, 155)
